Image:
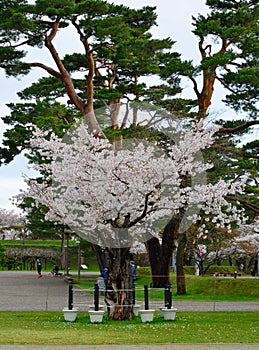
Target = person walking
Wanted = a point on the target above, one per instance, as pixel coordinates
(133, 270)
(39, 268)
(105, 275)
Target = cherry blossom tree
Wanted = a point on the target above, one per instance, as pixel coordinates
(214, 245)
(119, 197)
(11, 224)
(246, 242)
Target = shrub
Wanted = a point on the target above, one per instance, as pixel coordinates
(189, 270)
(221, 269)
(144, 271)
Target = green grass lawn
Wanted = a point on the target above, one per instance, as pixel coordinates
(49, 328)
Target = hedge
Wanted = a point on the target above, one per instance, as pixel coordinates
(221, 269)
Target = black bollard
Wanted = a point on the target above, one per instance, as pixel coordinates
(146, 297)
(168, 296)
(70, 297)
(96, 297)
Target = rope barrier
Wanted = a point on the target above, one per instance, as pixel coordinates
(21, 274)
(117, 290)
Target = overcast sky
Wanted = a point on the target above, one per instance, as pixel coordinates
(174, 20)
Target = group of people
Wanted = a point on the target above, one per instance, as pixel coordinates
(54, 272)
(104, 274)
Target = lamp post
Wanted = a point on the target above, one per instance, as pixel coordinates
(78, 258)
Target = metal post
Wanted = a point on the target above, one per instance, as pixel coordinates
(168, 296)
(96, 297)
(78, 259)
(165, 296)
(70, 297)
(146, 297)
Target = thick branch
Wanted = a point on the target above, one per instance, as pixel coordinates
(144, 212)
(54, 29)
(239, 127)
(247, 204)
(90, 61)
(20, 44)
(64, 75)
(48, 69)
(238, 152)
(224, 46)
(195, 86)
(202, 50)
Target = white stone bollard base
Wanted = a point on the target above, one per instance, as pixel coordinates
(70, 315)
(96, 316)
(169, 314)
(147, 315)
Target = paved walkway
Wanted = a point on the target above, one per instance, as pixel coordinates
(24, 291)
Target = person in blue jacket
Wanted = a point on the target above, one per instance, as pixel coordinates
(104, 275)
(133, 270)
(39, 268)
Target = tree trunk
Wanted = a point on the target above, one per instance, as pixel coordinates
(160, 255)
(204, 98)
(119, 288)
(180, 278)
(100, 256)
(160, 276)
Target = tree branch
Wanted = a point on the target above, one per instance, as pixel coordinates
(227, 86)
(20, 44)
(240, 153)
(247, 204)
(48, 69)
(239, 127)
(195, 85)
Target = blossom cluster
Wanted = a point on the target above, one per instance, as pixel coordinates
(120, 197)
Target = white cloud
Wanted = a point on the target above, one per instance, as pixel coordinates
(9, 187)
(12, 180)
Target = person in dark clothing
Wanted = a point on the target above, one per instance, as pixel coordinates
(39, 268)
(55, 270)
(133, 270)
(104, 275)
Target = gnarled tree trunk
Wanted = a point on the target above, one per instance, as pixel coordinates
(119, 288)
